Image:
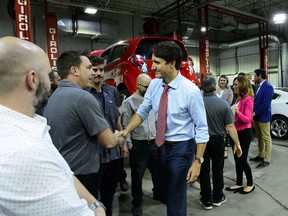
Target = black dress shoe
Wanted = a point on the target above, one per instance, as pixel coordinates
(234, 189)
(247, 192)
(159, 198)
(256, 159)
(263, 164)
(137, 210)
(124, 185)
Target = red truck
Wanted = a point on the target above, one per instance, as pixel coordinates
(125, 60)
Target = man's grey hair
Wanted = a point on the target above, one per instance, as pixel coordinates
(208, 84)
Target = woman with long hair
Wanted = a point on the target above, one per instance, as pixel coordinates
(223, 91)
(243, 112)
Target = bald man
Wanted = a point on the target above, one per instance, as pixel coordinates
(34, 177)
(141, 141)
(54, 80)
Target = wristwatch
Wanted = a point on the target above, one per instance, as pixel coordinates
(199, 159)
(96, 205)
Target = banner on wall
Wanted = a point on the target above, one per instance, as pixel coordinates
(204, 55)
(52, 38)
(266, 60)
(23, 19)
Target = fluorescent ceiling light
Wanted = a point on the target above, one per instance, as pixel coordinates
(60, 23)
(90, 10)
(279, 18)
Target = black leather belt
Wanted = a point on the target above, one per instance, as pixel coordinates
(151, 141)
(217, 136)
(148, 142)
(169, 142)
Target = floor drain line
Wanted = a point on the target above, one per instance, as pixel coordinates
(277, 201)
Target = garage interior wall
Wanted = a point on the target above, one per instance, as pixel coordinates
(246, 59)
(223, 61)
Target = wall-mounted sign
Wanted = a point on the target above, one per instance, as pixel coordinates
(23, 20)
(52, 39)
(204, 56)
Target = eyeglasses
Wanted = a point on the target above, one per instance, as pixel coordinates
(98, 69)
(143, 85)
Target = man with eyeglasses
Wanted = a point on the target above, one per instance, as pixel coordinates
(141, 142)
(54, 80)
(110, 159)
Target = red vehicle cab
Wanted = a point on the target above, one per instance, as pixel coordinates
(125, 60)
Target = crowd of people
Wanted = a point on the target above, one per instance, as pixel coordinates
(71, 160)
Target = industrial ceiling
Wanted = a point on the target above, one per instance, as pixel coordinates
(184, 12)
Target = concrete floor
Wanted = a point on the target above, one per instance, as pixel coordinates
(268, 199)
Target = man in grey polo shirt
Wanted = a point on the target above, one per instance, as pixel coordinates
(76, 120)
(219, 117)
(141, 141)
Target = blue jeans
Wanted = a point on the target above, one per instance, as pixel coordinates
(174, 162)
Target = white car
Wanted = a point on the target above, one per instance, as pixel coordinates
(279, 121)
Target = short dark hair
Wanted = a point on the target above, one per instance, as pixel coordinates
(169, 51)
(208, 84)
(261, 72)
(52, 75)
(96, 60)
(68, 59)
(242, 74)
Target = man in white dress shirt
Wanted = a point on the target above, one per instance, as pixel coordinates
(34, 177)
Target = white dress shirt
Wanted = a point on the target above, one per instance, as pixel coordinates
(34, 177)
(259, 86)
(186, 116)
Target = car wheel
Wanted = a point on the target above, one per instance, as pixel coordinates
(279, 128)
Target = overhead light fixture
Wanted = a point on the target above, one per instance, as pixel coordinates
(90, 10)
(279, 18)
(203, 29)
(60, 23)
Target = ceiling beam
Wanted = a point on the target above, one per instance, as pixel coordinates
(236, 13)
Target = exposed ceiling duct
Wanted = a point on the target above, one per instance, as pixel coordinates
(230, 24)
(83, 28)
(188, 33)
(184, 13)
(278, 39)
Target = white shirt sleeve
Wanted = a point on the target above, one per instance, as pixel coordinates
(36, 180)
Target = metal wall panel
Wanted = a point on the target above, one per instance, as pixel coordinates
(6, 22)
(247, 61)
